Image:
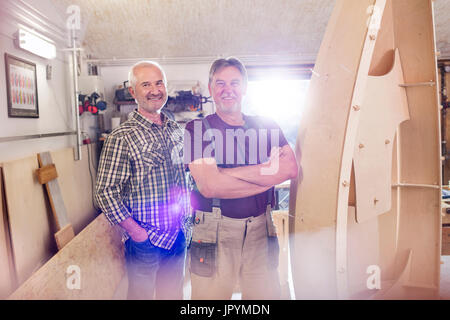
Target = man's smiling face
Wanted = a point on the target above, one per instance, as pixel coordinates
(227, 89)
(150, 90)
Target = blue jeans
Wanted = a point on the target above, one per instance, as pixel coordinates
(153, 272)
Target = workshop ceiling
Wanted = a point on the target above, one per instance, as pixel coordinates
(121, 29)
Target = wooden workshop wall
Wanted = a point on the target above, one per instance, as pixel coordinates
(29, 217)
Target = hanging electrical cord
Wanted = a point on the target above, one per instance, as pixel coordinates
(94, 203)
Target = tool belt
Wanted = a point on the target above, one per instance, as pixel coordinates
(271, 231)
(203, 247)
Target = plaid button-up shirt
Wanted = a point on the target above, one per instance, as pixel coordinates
(141, 175)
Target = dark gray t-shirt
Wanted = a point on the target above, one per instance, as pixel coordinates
(233, 146)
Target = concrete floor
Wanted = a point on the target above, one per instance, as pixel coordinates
(444, 292)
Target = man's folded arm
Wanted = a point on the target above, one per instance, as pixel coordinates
(213, 183)
(281, 166)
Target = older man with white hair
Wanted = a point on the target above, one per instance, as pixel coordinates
(141, 186)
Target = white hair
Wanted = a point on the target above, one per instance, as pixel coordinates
(132, 76)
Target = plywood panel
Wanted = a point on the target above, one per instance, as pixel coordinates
(31, 220)
(353, 122)
(322, 131)
(418, 217)
(64, 236)
(29, 217)
(384, 108)
(321, 138)
(313, 263)
(419, 142)
(383, 55)
(93, 263)
(363, 251)
(383, 61)
(76, 185)
(53, 192)
(388, 225)
(7, 277)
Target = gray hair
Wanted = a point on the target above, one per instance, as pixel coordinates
(132, 77)
(219, 64)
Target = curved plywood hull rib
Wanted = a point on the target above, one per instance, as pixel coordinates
(385, 106)
(369, 198)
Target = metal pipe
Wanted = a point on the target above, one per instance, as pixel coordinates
(75, 87)
(417, 84)
(36, 136)
(272, 60)
(416, 185)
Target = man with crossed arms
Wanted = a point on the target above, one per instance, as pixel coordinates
(234, 239)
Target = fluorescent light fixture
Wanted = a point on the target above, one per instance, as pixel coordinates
(36, 44)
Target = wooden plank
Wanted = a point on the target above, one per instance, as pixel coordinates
(7, 274)
(388, 226)
(395, 289)
(382, 63)
(91, 266)
(419, 142)
(383, 55)
(46, 173)
(65, 230)
(64, 235)
(323, 123)
(358, 95)
(54, 194)
(322, 136)
(30, 219)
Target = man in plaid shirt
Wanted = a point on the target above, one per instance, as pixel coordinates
(141, 186)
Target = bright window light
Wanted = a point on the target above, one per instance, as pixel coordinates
(36, 44)
(278, 99)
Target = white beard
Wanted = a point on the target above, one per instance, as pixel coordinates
(148, 106)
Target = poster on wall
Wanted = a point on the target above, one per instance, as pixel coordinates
(21, 88)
